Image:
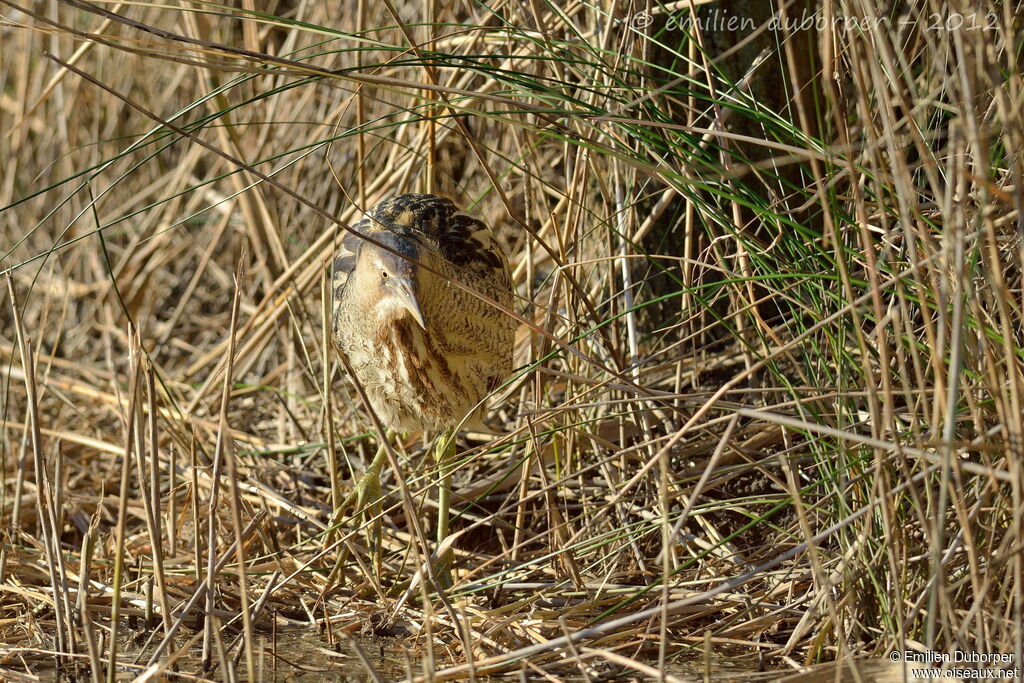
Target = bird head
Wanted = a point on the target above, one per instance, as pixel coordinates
(390, 277)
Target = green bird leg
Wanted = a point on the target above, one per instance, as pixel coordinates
(366, 498)
(444, 452)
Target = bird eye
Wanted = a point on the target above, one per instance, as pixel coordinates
(384, 274)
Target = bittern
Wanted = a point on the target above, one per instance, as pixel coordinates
(425, 348)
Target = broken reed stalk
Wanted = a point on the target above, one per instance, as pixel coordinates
(133, 399)
(232, 469)
(45, 505)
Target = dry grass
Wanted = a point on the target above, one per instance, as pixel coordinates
(769, 400)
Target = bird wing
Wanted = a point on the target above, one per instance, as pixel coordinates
(462, 239)
(466, 242)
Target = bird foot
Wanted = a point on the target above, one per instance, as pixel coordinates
(365, 502)
(366, 494)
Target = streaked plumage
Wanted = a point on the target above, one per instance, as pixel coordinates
(423, 377)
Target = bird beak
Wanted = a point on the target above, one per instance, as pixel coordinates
(405, 290)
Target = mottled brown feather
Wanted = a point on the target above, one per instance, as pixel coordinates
(425, 379)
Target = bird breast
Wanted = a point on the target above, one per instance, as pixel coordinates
(409, 384)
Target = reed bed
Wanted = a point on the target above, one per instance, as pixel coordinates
(767, 412)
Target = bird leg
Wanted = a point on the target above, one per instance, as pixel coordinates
(367, 497)
(444, 452)
(367, 490)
